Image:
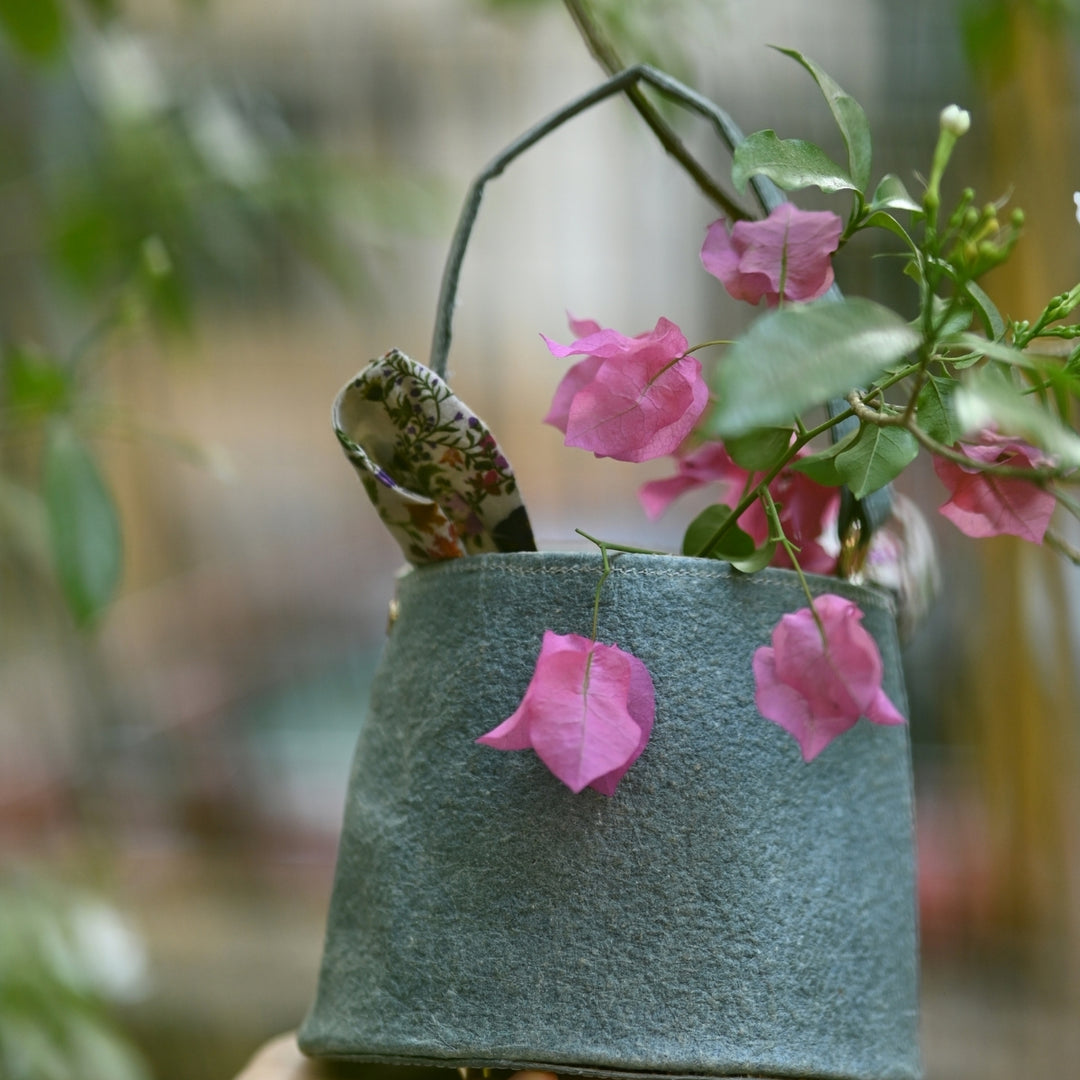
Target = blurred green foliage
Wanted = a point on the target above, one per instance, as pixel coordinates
(63, 961)
(134, 196)
(34, 27)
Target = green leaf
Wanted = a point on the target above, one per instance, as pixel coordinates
(988, 399)
(881, 220)
(790, 163)
(758, 561)
(22, 523)
(957, 321)
(100, 1051)
(878, 455)
(735, 544)
(799, 356)
(997, 350)
(987, 309)
(936, 414)
(890, 194)
(36, 383)
(849, 117)
(821, 467)
(35, 27)
(760, 449)
(83, 525)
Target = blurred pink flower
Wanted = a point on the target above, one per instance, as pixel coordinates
(709, 463)
(817, 692)
(808, 510)
(787, 254)
(633, 399)
(587, 712)
(981, 505)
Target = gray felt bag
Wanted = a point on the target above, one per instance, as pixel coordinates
(729, 912)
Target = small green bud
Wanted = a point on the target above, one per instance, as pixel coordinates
(1016, 218)
(971, 218)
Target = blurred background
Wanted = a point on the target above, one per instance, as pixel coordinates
(212, 214)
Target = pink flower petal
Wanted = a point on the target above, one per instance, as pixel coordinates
(582, 327)
(632, 412)
(575, 380)
(808, 510)
(882, 711)
(981, 505)
(641, 704)
(791, 249)
(707, 464)
(587, 712)
(633, 399)
(814, 692)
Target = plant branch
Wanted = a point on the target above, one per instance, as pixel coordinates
(868, 414)
(605, 54)
(626, 548)
(1062, 546)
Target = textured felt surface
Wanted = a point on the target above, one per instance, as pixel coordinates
(730, 911)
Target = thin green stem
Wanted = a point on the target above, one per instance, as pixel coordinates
(744, 504)
(605, 54)
(776, 530)
(599, 587)
(708, 344)
(605, 547)
(1070, 504)
(870, 415)
(1061, 546)
(618, 547)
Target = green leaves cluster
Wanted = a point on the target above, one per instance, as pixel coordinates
(178, 194)
(927, 383)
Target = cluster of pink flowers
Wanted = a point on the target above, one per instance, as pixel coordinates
(589, 708)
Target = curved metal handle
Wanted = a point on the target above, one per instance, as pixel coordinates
(867, 513)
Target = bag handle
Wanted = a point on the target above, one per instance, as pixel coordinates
(858, 517)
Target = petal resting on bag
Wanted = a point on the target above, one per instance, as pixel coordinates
(587, 712)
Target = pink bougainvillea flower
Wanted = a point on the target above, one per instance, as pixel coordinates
(787, 254)
(633, 399)
(817, 691)
(808, 510)
(587, 712)
(980, 504)
(706, 464)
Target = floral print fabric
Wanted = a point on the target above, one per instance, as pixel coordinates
(429, 464)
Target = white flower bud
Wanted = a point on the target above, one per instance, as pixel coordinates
(955, 120)
(1076, 199)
